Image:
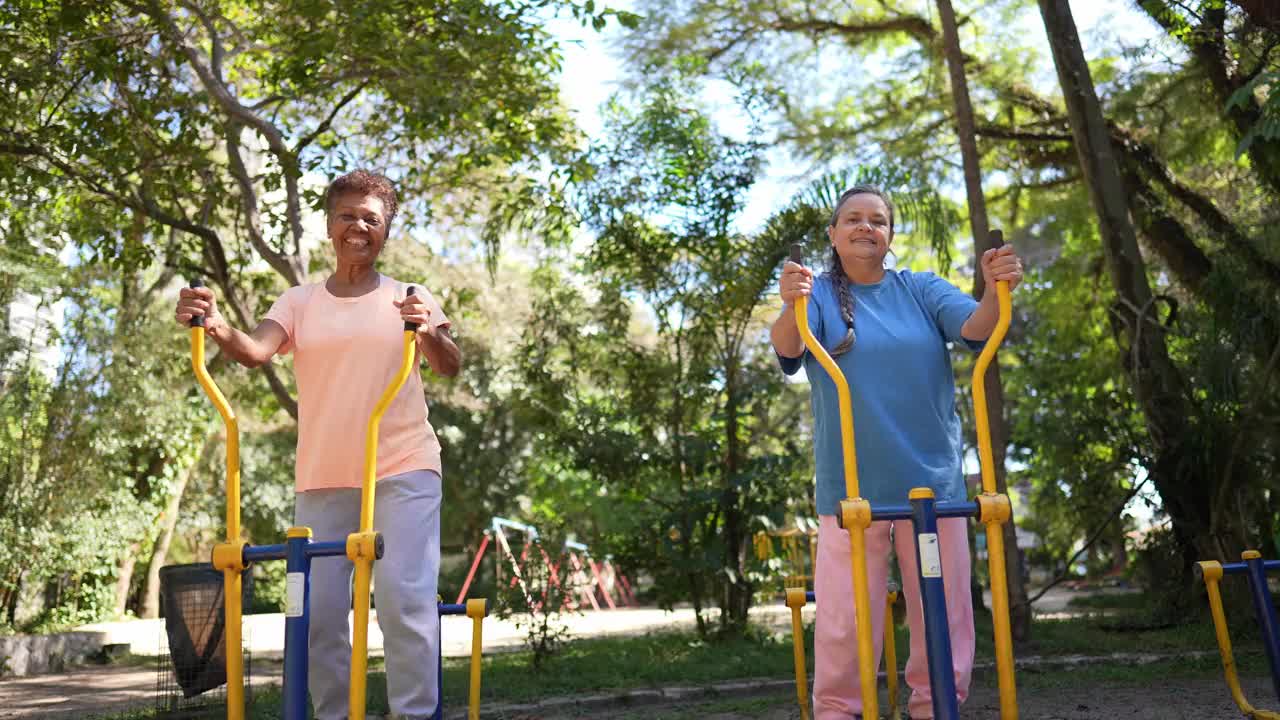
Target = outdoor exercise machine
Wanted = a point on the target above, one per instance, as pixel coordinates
(577, 554)
(856, 515)
(233, 556)
(1253, 567)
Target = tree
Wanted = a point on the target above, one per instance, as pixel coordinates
(662, 200)
(216, 120)
(1020, 610)
(1158, 384)
(92, 446)
(1233, 62)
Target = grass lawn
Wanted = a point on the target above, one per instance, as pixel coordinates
(590, 666)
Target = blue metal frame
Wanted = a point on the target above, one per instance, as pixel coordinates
(933, 597)
(1256, 570)
(296, 553)
(445, 609)
(945, 509)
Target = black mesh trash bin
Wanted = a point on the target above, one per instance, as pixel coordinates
(192, 606)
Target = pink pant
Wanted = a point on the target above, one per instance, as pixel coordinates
(837, 693)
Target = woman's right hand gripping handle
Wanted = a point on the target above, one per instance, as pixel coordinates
(196, 304)
(796, 282)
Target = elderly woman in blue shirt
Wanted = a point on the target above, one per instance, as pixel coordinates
(889, 331)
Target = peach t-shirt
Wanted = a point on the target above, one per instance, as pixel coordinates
(346, 351)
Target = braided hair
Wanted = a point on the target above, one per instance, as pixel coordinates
(836, 270)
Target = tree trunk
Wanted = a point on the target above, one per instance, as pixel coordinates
(1020, 610)
(124, 578)
(169, 521)
(1157, 383)
(1263, 12)
(737, 591)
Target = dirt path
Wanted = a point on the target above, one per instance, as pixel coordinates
(93, 690)
(1186, 700)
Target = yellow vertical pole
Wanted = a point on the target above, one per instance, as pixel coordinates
(994, 521)
(855, 512)
(362, 546)
(227, 556)
(796, 600)
(476, 610)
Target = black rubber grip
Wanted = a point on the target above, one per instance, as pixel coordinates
(197, 320)
(997, 238)
(412, 326)
(797, 254)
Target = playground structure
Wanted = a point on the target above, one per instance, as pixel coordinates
(1253, 567)
(233, 556)
(856, 515)
(798, 551)
(604, 581)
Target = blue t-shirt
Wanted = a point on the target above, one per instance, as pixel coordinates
(906, 430)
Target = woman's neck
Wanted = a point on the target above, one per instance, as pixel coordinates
(352, 280)
(863, 273)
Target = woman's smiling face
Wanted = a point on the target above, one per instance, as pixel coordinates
(863, 230)
(357, 227)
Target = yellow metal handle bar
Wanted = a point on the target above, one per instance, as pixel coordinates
(856, 529)
(476, 610)
(226, 557)
(1211, 572)
(995, 521)
(361, 546)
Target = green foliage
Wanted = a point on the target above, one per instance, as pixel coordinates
(682, 423)
(94, 440)
(1267, 127)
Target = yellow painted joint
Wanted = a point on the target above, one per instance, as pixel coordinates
(796, 598)
(477, 608)
(229, 556)
(298, 532)
(1210, 570)
(994, 508)
(855, 514)
(362, 546)
(1250, 555)
(921, 493)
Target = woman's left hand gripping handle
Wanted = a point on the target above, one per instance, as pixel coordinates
(410, 326)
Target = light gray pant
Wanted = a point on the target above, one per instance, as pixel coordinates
(407, 513)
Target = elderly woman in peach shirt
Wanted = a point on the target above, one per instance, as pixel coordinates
(345, 335)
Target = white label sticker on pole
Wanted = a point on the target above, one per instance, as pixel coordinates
(930, 561)
(295, 583)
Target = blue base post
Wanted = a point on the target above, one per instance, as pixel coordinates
(296, 553)
(297, 623)
(933, 597)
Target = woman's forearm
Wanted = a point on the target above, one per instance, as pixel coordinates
(241, 346)
(785, 335)
(442, 353)
(982, 322)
